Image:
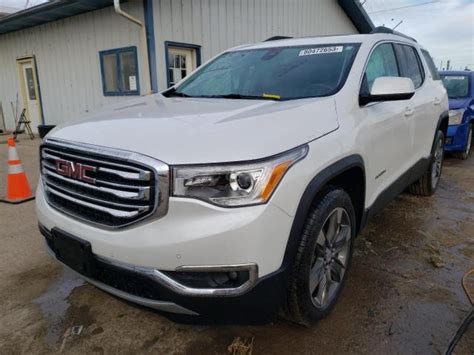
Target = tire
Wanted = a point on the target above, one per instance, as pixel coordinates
(429, 181)
(315, 258)
(464, 155)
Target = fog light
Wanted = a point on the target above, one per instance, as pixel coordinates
(215, 280)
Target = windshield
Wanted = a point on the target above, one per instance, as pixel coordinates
(457, 86)
(278, 73)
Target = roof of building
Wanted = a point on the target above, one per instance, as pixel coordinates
(357, 14)
(48, 12)
(58, 9)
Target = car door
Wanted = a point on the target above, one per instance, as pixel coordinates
(420, 108)
(388, 127)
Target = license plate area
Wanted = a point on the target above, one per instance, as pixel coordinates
(74, 252)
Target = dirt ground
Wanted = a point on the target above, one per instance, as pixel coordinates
(403, 295)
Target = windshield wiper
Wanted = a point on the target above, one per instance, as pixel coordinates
(173, 92)
(242, 97)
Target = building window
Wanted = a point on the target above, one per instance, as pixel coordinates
(181, 59)
(119, 69)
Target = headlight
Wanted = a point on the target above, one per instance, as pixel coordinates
(239, 184)
(455, 116)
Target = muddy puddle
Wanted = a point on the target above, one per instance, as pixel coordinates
(54, 304)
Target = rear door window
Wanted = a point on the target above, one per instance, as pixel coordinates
(431, 65)
(410, 64)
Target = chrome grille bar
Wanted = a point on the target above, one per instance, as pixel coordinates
(53, 186)
(140, 195)
(140, 175)
(118, 189)
(48, 170)
(112, 212)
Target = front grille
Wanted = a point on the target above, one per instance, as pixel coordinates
(119, 188)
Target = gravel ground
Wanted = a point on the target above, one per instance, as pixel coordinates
(403, 295)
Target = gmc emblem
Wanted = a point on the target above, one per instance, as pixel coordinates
(75, 171)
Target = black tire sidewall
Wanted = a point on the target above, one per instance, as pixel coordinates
(433, 187)
(333, 199)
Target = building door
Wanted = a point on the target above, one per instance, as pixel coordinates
(29, 92)
(181, 62)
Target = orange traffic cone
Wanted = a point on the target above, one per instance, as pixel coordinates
(18, 189)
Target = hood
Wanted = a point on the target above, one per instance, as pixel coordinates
(191, 130)
(455, 104)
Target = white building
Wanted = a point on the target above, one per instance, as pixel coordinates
(65, 58)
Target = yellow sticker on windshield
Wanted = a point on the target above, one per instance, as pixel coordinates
(272, 96)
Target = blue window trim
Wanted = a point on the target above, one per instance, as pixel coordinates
(180, 45)
(116, 51)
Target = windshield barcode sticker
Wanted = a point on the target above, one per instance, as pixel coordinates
(321, 50)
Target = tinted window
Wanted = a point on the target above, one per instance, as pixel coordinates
(277, 72)
(382, 62)
(457, 86)
(431, 65)
(409, 64)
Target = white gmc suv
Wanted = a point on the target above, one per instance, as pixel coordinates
(239, 191)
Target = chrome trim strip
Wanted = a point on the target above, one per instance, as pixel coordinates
(110, 211)
(141, 176)
(61, 189)
(160, 170)
(223, 292)
(98, 181)
(181, 289)
(139, 195)
(158, 305)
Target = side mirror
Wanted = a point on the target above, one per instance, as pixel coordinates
(389, 88)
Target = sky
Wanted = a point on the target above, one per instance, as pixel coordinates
(444, 27)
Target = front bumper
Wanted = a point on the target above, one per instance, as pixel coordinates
(192, 234)
(456, 138)
(259, 303)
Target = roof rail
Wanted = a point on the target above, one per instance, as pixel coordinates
(383, 29)
(276, 38)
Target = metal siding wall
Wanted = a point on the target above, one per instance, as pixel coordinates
(220, 24)
(67, 50)
(67, 57)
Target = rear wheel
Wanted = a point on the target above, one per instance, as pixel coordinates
(428, 182)
(464, 155)
(323, 258)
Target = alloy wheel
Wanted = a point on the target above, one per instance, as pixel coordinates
(330, 258)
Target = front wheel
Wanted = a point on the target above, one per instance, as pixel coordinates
(428, 182)
(323, 258)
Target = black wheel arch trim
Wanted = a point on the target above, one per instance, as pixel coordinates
(442, 117)
(312, 189)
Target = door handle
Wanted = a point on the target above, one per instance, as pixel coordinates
(436, 101)
(409, 111)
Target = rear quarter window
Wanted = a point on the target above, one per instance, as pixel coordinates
(431, 65)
